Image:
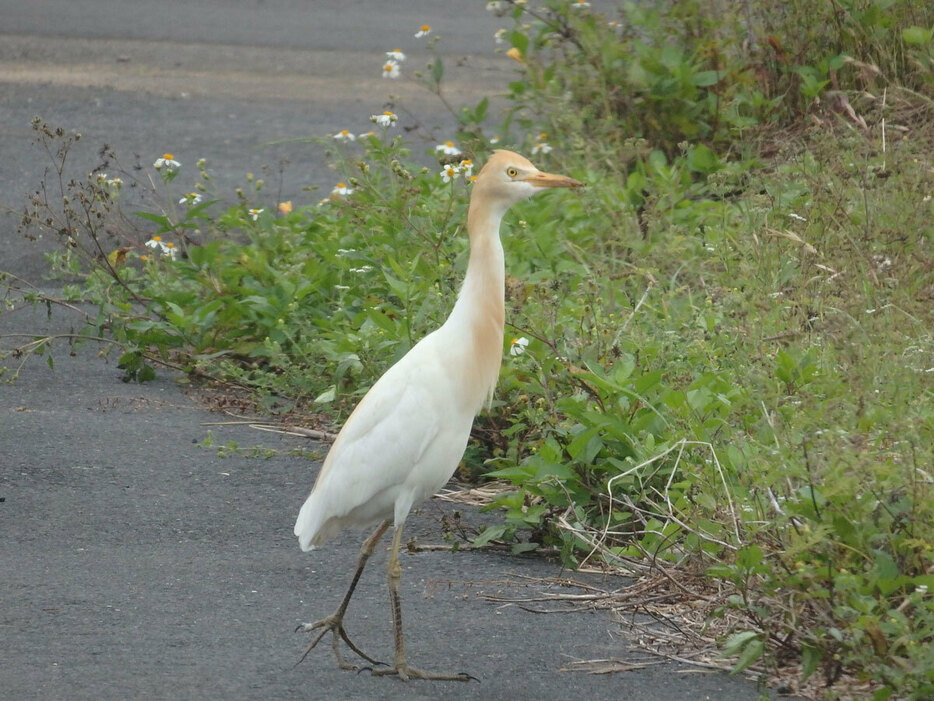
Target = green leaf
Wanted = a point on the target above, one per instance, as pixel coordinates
(519, 548)
(702, 159)
(437, 70)
(516, 474)
(917, 36)
(810, 658)
(751, 652)
(704, 79)
(520, 41)
(490, 533)
(327, 395)
(738, 641)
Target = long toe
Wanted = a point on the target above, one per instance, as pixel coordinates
(335, 625)
(405, 672)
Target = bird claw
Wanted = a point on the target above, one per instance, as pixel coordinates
(335, 625)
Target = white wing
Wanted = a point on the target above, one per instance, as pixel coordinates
(399, 446)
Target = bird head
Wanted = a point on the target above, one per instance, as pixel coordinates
(508, 178)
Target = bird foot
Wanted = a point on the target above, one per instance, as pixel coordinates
(404, 672)
(335, 625)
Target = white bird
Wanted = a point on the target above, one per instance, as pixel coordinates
(407, 435)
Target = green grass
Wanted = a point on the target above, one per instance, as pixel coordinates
(730, 368)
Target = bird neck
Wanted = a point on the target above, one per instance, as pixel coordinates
(479, 312)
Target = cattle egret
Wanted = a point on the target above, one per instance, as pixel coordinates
(406, 436)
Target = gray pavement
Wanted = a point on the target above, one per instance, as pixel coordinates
(135, 561)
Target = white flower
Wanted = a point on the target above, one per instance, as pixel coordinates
(541, 147)
(167, 161)
(386, 119)
(792, 215)
(448, 149)
(390, 69)
(341, 287)
(362, 269)
(423, 31)
(343, 135)
(449, 173)
(580, 3)
(341, 190)
(466, 167)
(500, 36)
(518, 345)
(341, 252)
(366, 135)
(191, 199)
(396, 55)
(166, 249)
(495, 139)
(254, 213)
(102, 179)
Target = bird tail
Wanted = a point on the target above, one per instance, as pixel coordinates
(308, 525)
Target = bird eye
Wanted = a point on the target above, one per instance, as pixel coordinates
(512, 172)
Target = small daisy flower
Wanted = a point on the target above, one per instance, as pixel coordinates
(396, 55)
(167, 161)
(254, 213)
(362, 269)
(285, 207)
(792, 215)
(341, 190)
(579, 4)
(166, 249)
(500, 36)
(343, 135)
(448, 149)
(449, 173)
(102, 179)
(367, 134)
(390, 69)
(466, 167)
(495, 139)
(518, 346)
(423, 31)
(386, 119)
(155, 242)
(541, 146)
(191, 199)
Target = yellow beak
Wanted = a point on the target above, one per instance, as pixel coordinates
(540, 179)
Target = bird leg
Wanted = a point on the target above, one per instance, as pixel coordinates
(401, 667)
(335, 622)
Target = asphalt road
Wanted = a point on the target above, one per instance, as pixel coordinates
(135, 561)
